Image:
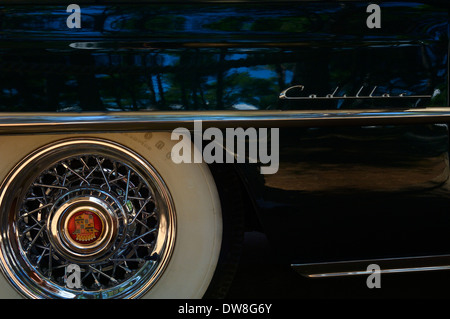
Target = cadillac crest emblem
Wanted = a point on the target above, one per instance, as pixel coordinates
(85, 227)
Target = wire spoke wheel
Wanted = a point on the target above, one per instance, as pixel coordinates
(90, 203)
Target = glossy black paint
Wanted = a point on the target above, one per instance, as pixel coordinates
(220, 56)
(341, 192)
(357, 193)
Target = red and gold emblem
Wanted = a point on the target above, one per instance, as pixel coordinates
(85, 227)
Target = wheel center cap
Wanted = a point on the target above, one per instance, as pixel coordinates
(85, 227)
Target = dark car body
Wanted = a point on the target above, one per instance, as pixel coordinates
(363, 135)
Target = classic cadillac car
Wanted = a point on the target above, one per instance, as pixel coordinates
(353, 97)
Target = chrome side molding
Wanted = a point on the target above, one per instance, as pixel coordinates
(359, 267)
(17, 123)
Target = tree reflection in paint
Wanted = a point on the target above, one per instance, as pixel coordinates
(210, 57)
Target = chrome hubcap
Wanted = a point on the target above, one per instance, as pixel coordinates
(84, 227)
(92, 203)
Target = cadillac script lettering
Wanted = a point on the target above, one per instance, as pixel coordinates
(296, 88)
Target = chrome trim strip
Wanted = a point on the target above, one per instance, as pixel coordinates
(359, 267)
(14, 123)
